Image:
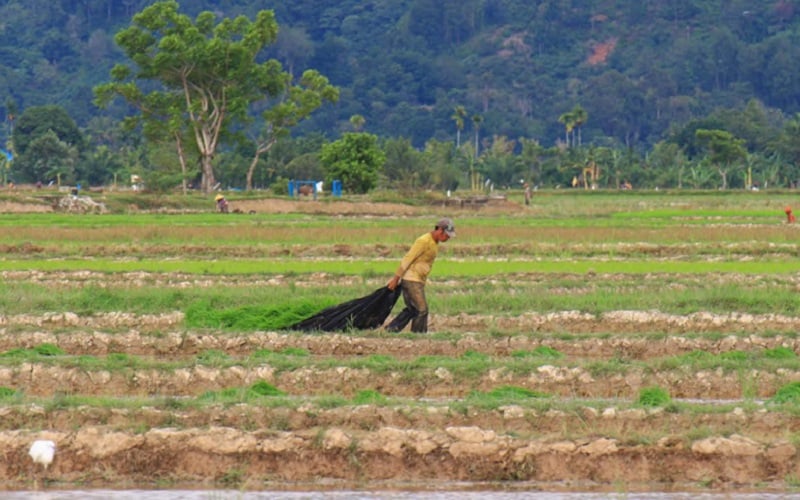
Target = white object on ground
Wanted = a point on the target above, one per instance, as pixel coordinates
(43, 452)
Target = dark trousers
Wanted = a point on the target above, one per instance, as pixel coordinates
(416, 310)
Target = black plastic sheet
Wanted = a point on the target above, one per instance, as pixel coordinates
(361, 314)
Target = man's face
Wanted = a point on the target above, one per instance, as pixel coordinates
(442, 236)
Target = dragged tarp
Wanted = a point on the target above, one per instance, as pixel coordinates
(362, 314)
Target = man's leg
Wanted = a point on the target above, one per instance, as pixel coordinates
(414, 295)
(412, 291)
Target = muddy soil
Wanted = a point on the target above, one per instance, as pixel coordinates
(587, 437)
(428, 436)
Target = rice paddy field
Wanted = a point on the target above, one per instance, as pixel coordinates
(591, 341)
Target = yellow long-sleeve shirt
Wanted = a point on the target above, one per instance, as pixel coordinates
(418, 261)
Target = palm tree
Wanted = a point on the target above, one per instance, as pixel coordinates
(476, 123)
(569, 124)
(459, 113)
(579, 117)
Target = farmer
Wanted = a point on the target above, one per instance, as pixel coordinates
(222, 204)
(412, 275)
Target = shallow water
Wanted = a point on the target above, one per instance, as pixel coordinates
(380, 495)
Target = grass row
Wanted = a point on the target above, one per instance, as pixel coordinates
(262, 394)
(467, 366)
(246, 306)
(367, 267)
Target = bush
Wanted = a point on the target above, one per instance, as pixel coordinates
(788, 394)
(654, 397)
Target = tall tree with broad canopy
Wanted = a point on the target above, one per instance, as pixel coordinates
(213, 68)
(292, 106)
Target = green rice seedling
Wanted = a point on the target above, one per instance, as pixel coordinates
(294, 351)
(7, 392)
(116, 360)
(514, 393)
(261, 354)
(213, 357)
(232, 478)
(613, 366)
(47, 349)
(654, 397)
(279, 361)
(792, 480)
(787, 394)
(264, 388)
(378, 363)
(19, 353)
(331, 402)
(369, 396)
(735, 356)
(230, 395)
(475, 356)
(779, 353)
(540, 352)
(503, 395)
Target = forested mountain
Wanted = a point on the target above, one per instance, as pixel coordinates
(638, 72)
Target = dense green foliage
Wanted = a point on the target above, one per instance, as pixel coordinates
(654, 396)
(526, 90)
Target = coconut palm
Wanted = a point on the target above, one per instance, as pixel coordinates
(459, 113)
(476, 123)
(568, 119)
(579, 117)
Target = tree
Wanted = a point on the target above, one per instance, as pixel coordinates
(579, 117)
(355, 159)
(404, 167)
(294, 104)
(441, 159)
(214, 69)
(48, 157)
(476, 124)
(500, 164)
(568, 119)
(459, 113)
(357, 121)
(160, 117)
(723, 150)
(38, 120)
(11, 115)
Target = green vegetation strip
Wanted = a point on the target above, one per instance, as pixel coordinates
(248, 307)
(261, 394)
(366, 267)
(467, 366)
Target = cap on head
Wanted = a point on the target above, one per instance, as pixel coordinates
(447, 225)
(218, 197)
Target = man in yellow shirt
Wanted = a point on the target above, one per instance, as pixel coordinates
(413, 274)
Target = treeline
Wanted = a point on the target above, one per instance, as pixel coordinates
(459, 93)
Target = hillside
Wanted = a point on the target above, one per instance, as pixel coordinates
(637, 68)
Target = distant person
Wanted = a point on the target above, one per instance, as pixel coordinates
(527, 194)
(222, 204)
(412, 274)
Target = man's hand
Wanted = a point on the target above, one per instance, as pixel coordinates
(393, 282)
